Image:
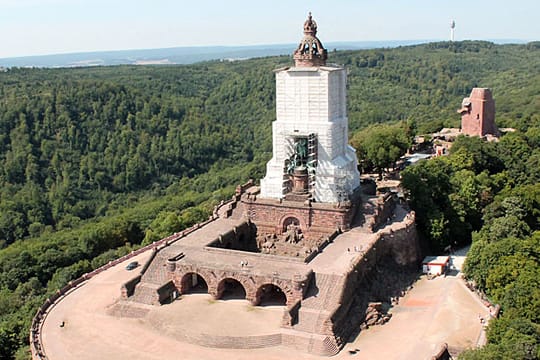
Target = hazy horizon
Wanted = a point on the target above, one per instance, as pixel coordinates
(328, 45)
(176, 55)
(46, 27)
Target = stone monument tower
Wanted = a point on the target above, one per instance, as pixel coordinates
(311, 156)
(478, 113)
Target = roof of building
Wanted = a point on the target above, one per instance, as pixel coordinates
(447, 133)
(481, 93)
(413, 158)
(436, 260)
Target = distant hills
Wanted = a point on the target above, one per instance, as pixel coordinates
(192, 54)
(182, 55)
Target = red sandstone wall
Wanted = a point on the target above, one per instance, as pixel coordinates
(271, 218)
(250, 281)
(402, 244)
(479, 120)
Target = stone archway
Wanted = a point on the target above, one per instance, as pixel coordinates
(288, 221)
(229, 289)
(270, 294)
(193, 283)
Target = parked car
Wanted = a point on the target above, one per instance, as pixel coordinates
(132, 265)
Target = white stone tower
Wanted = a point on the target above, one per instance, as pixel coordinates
(310, 131)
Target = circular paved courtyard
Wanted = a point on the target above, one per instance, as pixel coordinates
(433, 312)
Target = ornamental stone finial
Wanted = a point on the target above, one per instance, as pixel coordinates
(310, 52)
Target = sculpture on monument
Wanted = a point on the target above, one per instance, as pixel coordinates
(299, 157)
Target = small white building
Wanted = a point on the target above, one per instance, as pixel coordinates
(435, 265)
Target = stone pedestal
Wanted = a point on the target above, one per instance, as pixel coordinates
(300, 180)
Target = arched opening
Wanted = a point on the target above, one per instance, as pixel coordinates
(193, 283)
(271, 295)
(288, 222)
(229, 289)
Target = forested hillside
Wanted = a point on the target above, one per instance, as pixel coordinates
(490, 191)
(95, 161)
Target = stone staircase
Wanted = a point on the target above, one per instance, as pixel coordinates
(146, 293)
(235, 342)
(329, 346)
(129, 309)
(314, 315)
(156, 273)
(315, 344)
(154, 277)
(324, 292)
(307, 320)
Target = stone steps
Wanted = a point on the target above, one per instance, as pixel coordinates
(146, 293)
(330, 346)
(317, 292)
(308, 320)
(323, 295)
(321, 345)
(129, 309)
(155, 276)
(228, 342)
(237, 342)
(334, 291)
(157, 272)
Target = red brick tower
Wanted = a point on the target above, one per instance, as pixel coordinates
(478, 113)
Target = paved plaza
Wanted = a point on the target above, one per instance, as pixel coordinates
(433, 312)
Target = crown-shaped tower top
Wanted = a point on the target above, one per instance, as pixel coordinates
(310, 52)
(310, 26)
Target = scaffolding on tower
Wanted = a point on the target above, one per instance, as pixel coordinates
(312, 162)
(289, 150)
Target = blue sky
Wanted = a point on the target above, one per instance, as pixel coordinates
(33, 27)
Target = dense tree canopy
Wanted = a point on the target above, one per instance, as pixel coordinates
(74, 139)
(380, 146)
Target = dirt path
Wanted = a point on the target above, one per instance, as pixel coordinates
(433, 312)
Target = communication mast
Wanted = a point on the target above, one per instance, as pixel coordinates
(452, 27)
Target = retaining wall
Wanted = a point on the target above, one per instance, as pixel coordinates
(395, 243)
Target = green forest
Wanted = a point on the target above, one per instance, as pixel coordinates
(489, 193)
(96, 162)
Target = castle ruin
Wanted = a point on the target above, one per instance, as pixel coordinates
(478, 114)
